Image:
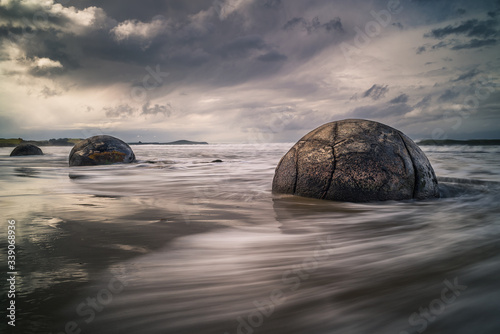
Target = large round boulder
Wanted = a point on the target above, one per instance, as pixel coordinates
(357, 161)
(26, 149)
(100, 150)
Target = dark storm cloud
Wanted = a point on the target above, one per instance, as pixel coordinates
(448, 95)
(334, 25)
(474, 43)
(296, 21)
(273, 4)
(440, 45)
(184, 38)
(427, 47)
(480, 31)
(272, 57)
(421, 49)
(457, 45)
(123, 110)
(43, 30)
(470, 28)
(189, 58)
(181, 36)
(467, 75)
(375, 92)
(424, 103)
(131, 36)
(33, 17)
(241, 46)
(403, 98)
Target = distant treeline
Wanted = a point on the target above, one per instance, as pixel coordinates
(471, 142)
(11, 142)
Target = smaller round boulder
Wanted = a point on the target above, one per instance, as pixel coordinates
(26, 149)
(100, 150)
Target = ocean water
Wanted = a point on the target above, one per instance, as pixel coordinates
(177, 244)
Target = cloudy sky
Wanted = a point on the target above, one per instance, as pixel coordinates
(247, 70)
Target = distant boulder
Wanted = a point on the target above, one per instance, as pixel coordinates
(356, 161)
(100, 150)
(26, 149)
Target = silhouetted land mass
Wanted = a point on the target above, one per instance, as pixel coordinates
(177, 142)
(471, 142)
(11, 142)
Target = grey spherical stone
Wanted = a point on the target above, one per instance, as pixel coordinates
(26, 149)
(356, 160)
(100, 150)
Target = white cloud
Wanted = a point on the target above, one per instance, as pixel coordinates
(134, 29)
(45, 63)
(46, 14)
(224, 8)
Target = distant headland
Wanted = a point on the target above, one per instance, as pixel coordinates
(12, 142)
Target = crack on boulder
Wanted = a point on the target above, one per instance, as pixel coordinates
(415, 181)
(334, 163)
(296, 168)
(340, 142)
(402, 159)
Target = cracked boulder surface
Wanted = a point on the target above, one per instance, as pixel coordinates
(26, 149)
(100, 150)
(356, 160)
